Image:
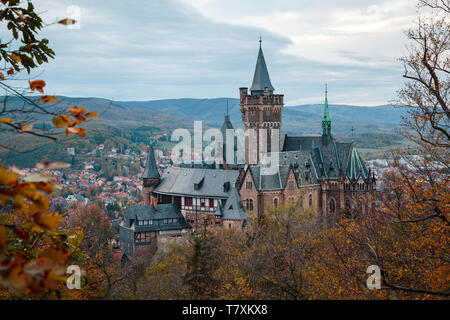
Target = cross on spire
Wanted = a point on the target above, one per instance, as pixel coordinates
(260, 40)
(353, 129)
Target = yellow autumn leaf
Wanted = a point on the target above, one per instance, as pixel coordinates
(27, 127)
(48, 222)
(76, 110)
(52, 165)
(7, 178)
(16, 58)
(79, 131)
(37, 85)
(47, 99)
(92, 115)
(67, 21)
(61, 121)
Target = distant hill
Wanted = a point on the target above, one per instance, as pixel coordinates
(176, 113)
(305, 119)
(131, 123)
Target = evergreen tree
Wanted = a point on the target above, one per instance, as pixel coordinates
(202, 263)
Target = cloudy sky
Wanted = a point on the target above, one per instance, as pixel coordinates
(146, 50)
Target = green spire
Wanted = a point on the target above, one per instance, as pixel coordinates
(326, 121)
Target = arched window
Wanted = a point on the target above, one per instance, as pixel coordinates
(310, 200)
(275, 202)
(332, 206)
(348, 204)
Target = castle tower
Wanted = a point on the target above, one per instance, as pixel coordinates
(151, 177)
(261, 109)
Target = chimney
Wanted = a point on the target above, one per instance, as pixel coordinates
(155, 203)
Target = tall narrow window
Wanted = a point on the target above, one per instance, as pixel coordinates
(249, 205)
(332, 206)
(348, 204)
(275, 202)
(310, 200)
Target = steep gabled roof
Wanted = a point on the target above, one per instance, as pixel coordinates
(261, 79)
(151, 171)
(355, 165)
(233, 209)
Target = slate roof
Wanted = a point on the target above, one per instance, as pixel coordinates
(261, 79)
(274, 181)
(355, 165)
(328, 156)
(226, 125)
(151, 170)
(233, 209)
(181, 181)
(133, 214)
(310, 157)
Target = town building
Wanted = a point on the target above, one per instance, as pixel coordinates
(147, 228)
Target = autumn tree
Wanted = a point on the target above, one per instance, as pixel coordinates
(406, 234)
(427, 71)
(34, 250)
(102, 271)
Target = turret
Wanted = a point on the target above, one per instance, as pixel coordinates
(151, 177)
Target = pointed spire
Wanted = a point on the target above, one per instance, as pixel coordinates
(151, 170)
(227, 115)
(326, 121)
(261, 79)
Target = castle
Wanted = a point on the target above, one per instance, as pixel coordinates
(318, 172)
